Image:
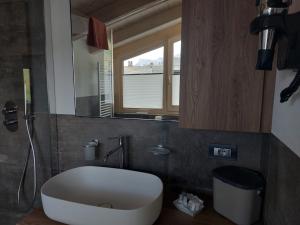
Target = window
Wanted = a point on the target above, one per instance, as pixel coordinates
(176, 73)
(143, 80)
(147, 77)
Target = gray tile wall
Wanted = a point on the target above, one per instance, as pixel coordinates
(187, 167)
(282, 203)
(22, 44)
(88, 106)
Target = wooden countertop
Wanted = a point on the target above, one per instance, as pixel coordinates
(169, 216)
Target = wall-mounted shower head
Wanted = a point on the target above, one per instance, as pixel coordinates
(28, 116)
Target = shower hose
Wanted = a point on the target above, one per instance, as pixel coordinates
(31, 151)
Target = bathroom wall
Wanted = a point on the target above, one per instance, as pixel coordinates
(85, 69)
(22, 46)
(86, 78)
(59, 56)
(281, 167)
(188, 165)
(282, 162)
(286, 123)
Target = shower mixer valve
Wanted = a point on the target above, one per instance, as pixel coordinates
(10, 112)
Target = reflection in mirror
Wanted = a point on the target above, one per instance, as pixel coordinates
(143, 80)
(93, 75)
(176, 73)
(138, 76)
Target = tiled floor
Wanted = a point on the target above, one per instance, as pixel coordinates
(9, 218)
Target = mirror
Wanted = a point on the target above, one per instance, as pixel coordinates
(138, 75)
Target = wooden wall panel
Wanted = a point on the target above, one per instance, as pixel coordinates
(268, 96)
(220, 88)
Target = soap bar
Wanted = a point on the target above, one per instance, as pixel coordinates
(189, 204)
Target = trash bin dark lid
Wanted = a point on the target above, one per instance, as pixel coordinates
(240, 177)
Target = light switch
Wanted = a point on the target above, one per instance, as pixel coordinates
(223, 151)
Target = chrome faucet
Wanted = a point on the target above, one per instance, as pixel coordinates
(123, 148)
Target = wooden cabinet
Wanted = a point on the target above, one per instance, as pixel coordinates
(220, 88)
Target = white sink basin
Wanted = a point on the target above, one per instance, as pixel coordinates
(103, 196)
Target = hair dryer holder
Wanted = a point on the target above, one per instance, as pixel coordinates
(287, 28)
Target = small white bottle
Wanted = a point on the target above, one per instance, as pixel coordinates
(90, 150)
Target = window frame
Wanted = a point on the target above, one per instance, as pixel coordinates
(171, 41)
(142, 46)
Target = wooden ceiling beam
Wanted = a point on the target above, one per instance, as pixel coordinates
(118, 8)
(151, 22)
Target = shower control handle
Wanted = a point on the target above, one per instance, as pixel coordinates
(10, 112)
(6, 111)
(10, 122)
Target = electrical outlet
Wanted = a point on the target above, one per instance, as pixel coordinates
(227, 152)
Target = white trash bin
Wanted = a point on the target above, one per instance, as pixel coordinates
(238, 194)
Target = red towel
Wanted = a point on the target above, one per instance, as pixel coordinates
(97, 36)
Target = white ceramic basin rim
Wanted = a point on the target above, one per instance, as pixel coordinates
(103, 196)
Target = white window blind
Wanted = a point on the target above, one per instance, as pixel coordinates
(143, 79)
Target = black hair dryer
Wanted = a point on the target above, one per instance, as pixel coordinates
(275, 26)
(268, 36)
